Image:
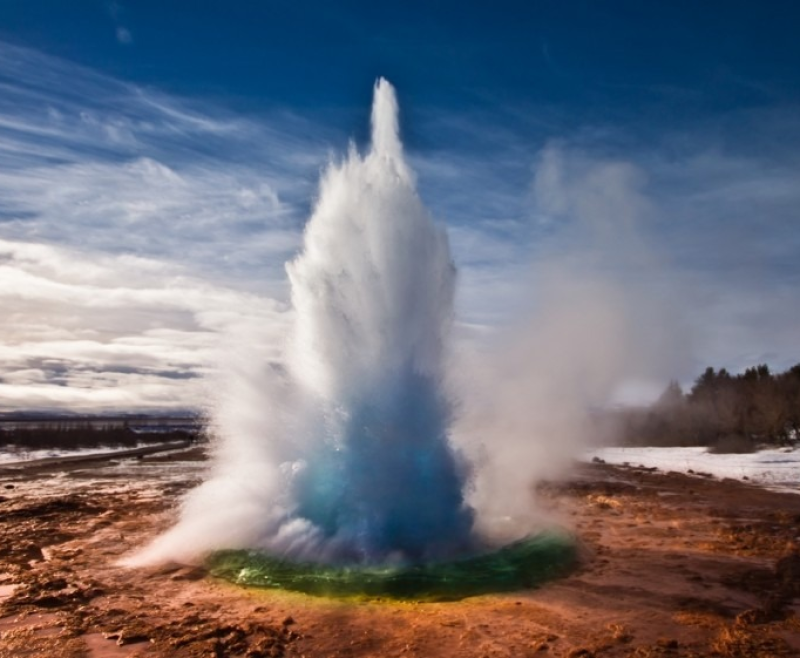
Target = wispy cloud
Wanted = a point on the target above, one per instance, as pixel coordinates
(86, 160)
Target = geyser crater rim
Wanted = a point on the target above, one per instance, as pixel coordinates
(521, 564)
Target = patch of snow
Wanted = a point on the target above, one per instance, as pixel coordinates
(774, 468)
(11, 454)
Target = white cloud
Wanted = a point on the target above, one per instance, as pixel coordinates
(131, 228)
(89, 331)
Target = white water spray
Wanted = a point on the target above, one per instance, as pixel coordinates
(343, 453)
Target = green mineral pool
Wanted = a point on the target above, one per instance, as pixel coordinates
(522, 564)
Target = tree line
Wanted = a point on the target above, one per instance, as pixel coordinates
(69, 435)
(729, 413)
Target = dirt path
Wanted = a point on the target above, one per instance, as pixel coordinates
(674, 566)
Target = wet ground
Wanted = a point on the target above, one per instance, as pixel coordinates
(672, 566)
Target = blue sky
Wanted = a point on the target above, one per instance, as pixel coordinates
(158, 161)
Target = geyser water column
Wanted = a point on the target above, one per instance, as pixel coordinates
(334, 473)
(373, 293)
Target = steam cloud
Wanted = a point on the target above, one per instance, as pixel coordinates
(371, 439)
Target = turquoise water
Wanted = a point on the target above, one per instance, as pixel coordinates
(519, 565)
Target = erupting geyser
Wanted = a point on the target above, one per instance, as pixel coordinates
(373, 291)
(341, 456)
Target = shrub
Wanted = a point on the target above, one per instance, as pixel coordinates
(732, 444)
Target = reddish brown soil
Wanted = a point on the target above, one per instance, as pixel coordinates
(673, 566)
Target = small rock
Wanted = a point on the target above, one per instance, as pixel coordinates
(32, 552)
(132, 638)
(580, 653)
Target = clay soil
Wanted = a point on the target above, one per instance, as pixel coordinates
(672, 566)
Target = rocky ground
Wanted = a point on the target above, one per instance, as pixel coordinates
(672, 566)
